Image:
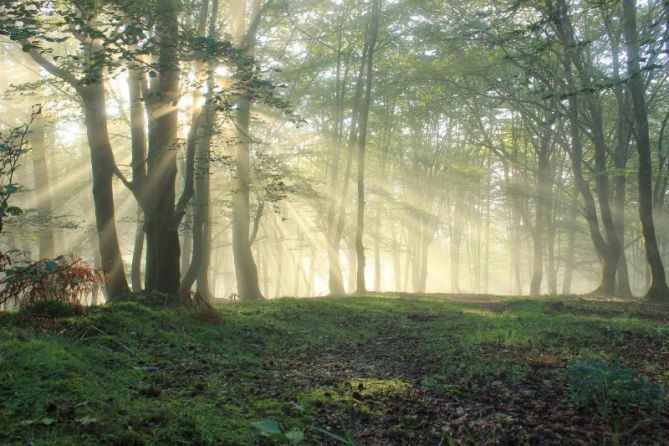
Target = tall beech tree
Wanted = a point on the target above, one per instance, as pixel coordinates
(658, 289)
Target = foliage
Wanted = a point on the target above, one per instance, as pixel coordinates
(29, 283)
(13, 145)
(612, 387)
(63, 279)
(272, 430)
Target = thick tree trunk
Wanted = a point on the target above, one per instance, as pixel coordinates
(160, 221)
(658, 289)
(608, 249)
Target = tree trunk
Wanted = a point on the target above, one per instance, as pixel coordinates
(138, 146)
(42, 189)
(426, 240)
(608, 249)
(201, 137)
(362, 144)
(102, 162)
(620, 158)
(455, 248)
(137, 253)
(160, 221)
(245, 266)
(397, 261)
(377, 253)
(335, 278)
(658, 290)
(246, 270)
(571, 244)
(187, 241)
(543, 200)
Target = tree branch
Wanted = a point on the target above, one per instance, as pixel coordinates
(54, 70)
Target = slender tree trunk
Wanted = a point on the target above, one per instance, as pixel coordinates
(377, 252)
(416, 257)
(137, 253)
(246, 269)
(397, 261)
(543, 199)
(42, 189)
(362, 144)
(245, 266)
(658, 289)
(352, 143)
(102, 162)
(455, 248)
(488, 192)
(335, 277)
(202, 285)
(425, 251)
(138, 146)
(353, 262)
(571, 244)
(201, 138)
(187, 241)
(551, 235)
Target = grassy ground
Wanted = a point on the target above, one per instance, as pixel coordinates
(432, 370)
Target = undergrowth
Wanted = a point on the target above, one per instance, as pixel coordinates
(327, 371)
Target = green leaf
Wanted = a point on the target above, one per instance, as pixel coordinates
(267, 427)
(13, 210)
(51, 266)
(47, 421)
(294, 436)
(85, 421)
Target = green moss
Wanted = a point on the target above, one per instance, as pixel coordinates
(130, 374)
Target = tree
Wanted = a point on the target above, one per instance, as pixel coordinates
(362, 143)
(658, 290)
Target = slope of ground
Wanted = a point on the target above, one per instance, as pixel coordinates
(392, 369)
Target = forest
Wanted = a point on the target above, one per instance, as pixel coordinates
(334, 222)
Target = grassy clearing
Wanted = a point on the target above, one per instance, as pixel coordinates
(361, 370)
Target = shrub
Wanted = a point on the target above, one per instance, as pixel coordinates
(612, 387)
(62, 279)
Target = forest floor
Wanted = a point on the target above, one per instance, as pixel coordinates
(373, 370)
